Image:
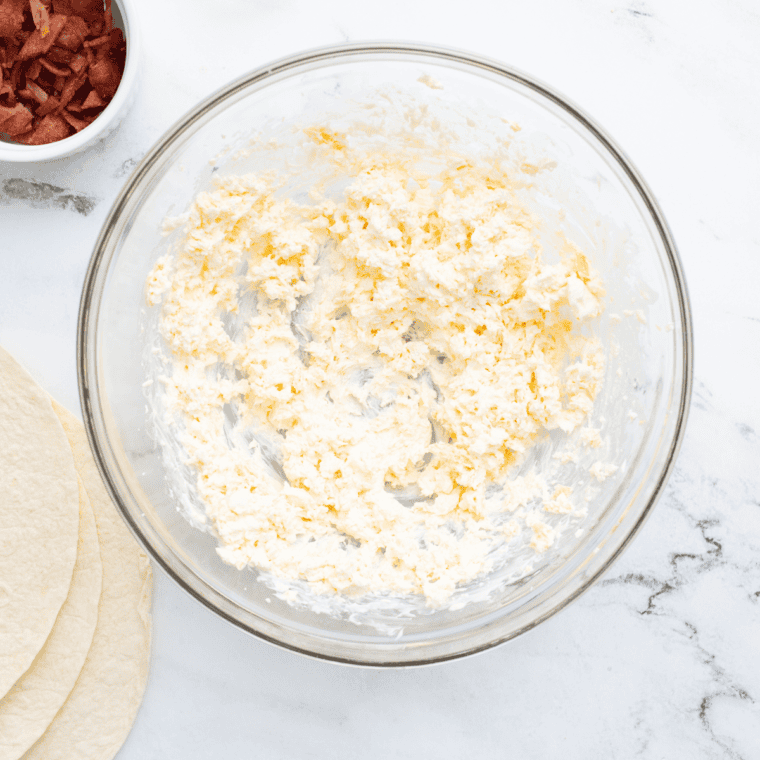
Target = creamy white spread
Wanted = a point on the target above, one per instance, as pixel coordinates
(354, 381)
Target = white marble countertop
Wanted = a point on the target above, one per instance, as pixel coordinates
(661, 659)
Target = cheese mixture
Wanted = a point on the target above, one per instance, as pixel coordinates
(353, 381)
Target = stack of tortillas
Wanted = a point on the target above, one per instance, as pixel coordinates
(74, 588)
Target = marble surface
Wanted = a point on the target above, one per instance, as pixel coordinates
(661, 658)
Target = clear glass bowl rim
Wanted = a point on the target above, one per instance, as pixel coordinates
(102, 255)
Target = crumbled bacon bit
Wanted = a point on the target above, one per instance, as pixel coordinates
(98, 41)
(50, 129)
(15, 75)
(36, 91)
(104, 77)
(71, 86)
(58, 71)
(89, 10)
(58, 54)
(40, 16)
(48, 106)
(15, 121)
(61, 62)
(37, 45)
(77, 63)
(78, 124)
(34, 70)
(73, 35)
(93, 100)
(11, 18)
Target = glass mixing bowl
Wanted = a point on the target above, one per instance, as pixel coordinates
(579, 181)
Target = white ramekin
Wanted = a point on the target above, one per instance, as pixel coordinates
(111, 116)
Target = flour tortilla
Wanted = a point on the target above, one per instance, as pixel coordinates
(29, 707)
(96, 718)
(39, 519)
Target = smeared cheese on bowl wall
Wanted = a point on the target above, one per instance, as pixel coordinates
(354, 380)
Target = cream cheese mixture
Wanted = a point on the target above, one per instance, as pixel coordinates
(354, 380)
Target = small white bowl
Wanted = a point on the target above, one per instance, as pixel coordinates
(125, 17)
